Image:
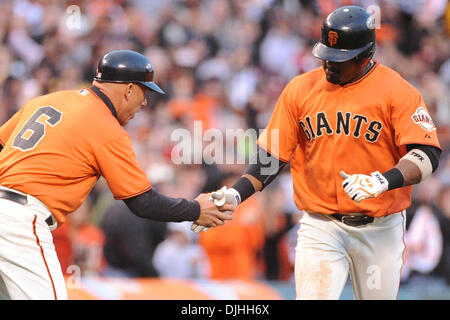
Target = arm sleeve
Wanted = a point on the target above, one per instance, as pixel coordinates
(411, 121)
(281, 136)
(117, 163)
(8, 127)
(155, 206)
(265, 167)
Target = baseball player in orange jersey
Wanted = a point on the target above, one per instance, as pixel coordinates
(357, 136)
(54, 150)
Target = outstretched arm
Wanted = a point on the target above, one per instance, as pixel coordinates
(261, 171)
(156, 206)
(264, 168)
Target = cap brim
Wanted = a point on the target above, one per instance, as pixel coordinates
(323, 52)
(152, 86)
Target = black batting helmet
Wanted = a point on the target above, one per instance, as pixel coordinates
(347, 32)
(126, 66)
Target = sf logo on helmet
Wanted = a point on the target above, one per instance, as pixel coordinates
(332, 38)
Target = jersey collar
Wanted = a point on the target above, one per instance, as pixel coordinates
(331, 86)
(105, 99)
(372, 68)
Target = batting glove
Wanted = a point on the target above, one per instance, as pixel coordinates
(221, 197)
(360, 186)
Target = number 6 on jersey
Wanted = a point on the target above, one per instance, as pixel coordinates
(34, 129)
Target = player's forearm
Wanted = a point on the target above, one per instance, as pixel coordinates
(264, 168)
(416, 166)
(155, 206)
(410, 172)
(257, 185)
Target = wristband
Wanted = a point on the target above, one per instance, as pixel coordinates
(395, 178)
(244, 188)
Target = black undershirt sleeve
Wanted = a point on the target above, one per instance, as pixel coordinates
(264, 167)
(158, 207)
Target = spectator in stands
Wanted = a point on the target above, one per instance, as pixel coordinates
(443, 268)
(130, 242)
(179, 255)
(87, 241)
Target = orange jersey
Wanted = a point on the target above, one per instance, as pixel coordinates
(58, 145)
(361, 127)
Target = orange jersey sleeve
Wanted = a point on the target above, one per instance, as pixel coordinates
(59, 146)
(410, 118)
(281, 136)
(360, 127)
(118, 165)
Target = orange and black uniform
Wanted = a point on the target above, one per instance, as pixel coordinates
(57, 146)
(323, 128)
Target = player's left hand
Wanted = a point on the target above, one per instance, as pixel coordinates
(360, 186)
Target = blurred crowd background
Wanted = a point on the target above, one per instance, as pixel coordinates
(223, 63)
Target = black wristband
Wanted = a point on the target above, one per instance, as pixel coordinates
(244, 187)
(395, 178)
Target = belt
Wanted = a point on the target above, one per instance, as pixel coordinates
(20, 199)
(352, 220)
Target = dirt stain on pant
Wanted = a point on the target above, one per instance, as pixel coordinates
(314, 280)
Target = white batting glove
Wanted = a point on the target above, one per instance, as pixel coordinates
(360, 186)
(220, 197)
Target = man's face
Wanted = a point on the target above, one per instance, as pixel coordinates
(342, 72)
(134, 100)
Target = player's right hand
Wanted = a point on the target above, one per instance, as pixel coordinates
(225, 199)
(211, 215)
(360, 186)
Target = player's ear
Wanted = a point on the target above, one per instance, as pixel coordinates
(128, 91)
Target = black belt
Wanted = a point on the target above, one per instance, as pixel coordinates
(20, 199)
(352, 220)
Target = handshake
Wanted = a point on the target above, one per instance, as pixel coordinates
(218, 208)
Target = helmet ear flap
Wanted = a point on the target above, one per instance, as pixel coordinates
(369, 53)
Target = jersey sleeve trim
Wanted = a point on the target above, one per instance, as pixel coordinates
(134, 194)
(433, 144)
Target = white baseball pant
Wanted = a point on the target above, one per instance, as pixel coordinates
(328, 251)
(29, 266)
